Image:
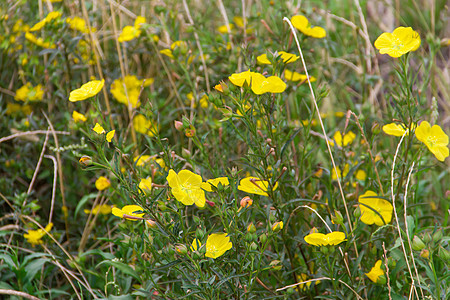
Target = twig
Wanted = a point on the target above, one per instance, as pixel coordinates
(227, 23)
(197, 40)
(17, 293)
(19, 134)
(396, 215)
(406, 227)
(387, 271)
(317, 279)
(55, 177)
(38, 165)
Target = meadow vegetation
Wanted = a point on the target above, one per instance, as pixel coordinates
(224, 149)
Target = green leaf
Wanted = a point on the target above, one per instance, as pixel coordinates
(83, 201)
(33, 267)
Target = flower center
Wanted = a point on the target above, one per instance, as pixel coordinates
(431, 140)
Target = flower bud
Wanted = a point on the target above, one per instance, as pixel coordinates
(178, 125)
(253, 246)
(277, 226)
(246, 202)
(210, 203)
(357, 212)
(444, 254)
(85, 161)
(426, 238)
(276, 265)
(251, 228)
(417, 244)
(337, 218)
(263, 238)
(199, 234)
(190, 132)
(425, 254)
(437, 236)
(181, 249)
(151, 223)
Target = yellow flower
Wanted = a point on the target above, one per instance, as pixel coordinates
(87, 90)
(372, 207)
(144, 126)
(287, 58)
(401, 41)
(395, 129)
(98, 129)
(77, 23)
(294, 76)
(224, 28)
(207, 186)
(51, 16)
(217, 244)
(38, 41)
(254, 185)
(434, 138)
(129, 33)
(186, 187)
(239, 21)
(143, 160)
(30, 93)
(196, 244)
(167, 52)
(259, 84)
(129, 212)
(146, 185)
(320, 239)
(375, 272)
(102, 183)
(301, 23)
(178, 44)
(277, 226)
(103, 209)
(77, 117)
(110, 135)
(139, 21)
(129, 89)
(34, 236)
(343, 141)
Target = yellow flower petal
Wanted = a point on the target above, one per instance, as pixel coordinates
(102, 183)
(373, 207)
(77, 117)
(294, 76)
(395, 129)
(87, 90)
(110, 135)
(217, 244)
(98, 129)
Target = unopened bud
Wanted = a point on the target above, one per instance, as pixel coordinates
(276, 265)
(190, 132)
(263, 238)
(417, 244)
(251, 228)
(210, 203)
(357, 212)
(246, 202)
(85, 161)
(253, 246)
(444, 254)
(151, 223)
(178, 125)
(425, 254)
(181, 249)
(437, 236)
(337, 218)
(277, 226)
